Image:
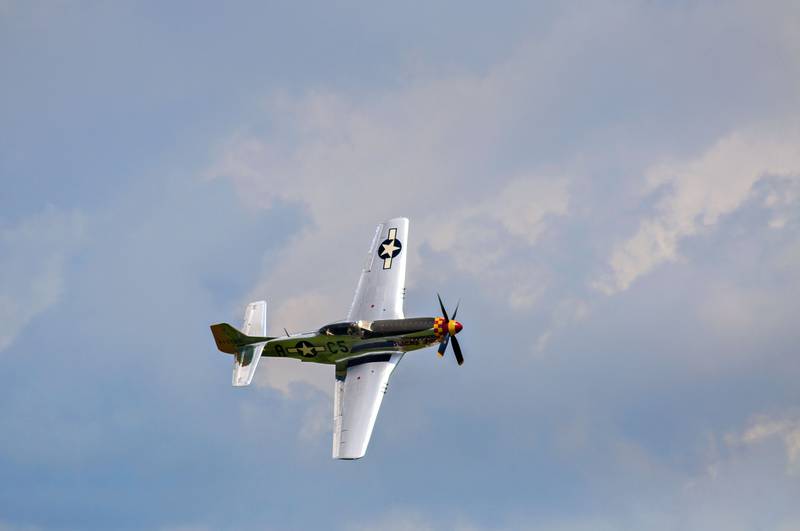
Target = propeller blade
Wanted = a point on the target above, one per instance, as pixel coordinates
(444, 312)
(457, 351)
(443, 345)
(456, 312)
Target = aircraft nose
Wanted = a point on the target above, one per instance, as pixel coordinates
(458, 327)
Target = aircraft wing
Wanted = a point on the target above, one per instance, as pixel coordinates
(361, 382)
(381, 288)
(360, 386)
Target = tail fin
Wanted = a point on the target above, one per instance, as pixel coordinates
(230, 340)
(246, 347)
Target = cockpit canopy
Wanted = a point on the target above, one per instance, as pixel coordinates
(380, 328)
(341, 329)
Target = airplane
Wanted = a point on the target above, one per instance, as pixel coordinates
(365, 348)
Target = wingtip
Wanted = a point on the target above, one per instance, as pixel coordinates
(396, 220)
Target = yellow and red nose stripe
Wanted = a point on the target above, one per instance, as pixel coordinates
(439, 328)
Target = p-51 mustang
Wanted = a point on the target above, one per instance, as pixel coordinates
(365, 348)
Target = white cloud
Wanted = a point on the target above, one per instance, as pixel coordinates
(764, 429)
(417, 151)
(514, 214)
(303, 313)
(280, 374)
(701, 191)
(32, 261)
(427, 150)
(782, 198)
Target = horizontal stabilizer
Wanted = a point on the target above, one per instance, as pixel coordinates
(247, 356)
(245, 363)
(255, 319)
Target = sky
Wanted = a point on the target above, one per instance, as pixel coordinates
(611, 189)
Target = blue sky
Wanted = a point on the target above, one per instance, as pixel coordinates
(611, 189)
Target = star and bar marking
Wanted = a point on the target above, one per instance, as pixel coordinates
(390, 248)
(305, 349)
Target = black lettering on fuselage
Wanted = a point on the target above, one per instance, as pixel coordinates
(337, 347)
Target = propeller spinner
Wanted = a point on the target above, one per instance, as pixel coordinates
(452, 327)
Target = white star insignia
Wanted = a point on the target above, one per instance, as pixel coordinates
(389, 248)
(306, 350)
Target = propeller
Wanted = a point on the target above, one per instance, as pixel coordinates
(452, 327)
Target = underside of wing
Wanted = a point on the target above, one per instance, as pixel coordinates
(360, 386)
(379, 294)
